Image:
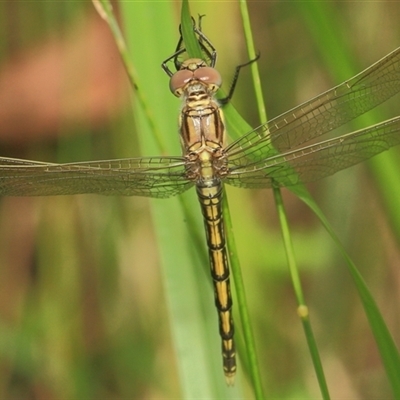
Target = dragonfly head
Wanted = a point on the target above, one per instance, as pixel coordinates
(195, 72)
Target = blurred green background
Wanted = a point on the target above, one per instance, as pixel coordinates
(82, 304)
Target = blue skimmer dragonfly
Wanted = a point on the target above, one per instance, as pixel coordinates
(279, 153)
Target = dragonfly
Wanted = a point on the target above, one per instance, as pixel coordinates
(285, 151)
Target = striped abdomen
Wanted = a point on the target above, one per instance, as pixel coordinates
(210, 200)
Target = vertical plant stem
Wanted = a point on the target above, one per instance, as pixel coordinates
(302, 309)
(242, 305)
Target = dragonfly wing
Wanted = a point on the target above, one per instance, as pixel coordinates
(158, 177)
(321, 114)
(317, 161)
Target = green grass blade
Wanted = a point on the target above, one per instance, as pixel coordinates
(194, 50)
(302, 309)
(255, 73)
(105, 10)
(189, 38)
(142, 21)
(251, 353)
(384, 340)
(286, 237)
(385, 169)
(189, 295)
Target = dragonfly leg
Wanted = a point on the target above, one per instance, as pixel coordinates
(228, 98)
(206, 46)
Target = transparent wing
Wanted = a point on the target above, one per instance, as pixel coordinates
(151, 177)
(313, 162)
(322, 114)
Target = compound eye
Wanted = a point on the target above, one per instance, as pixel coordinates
(179, 80)
(210, 76)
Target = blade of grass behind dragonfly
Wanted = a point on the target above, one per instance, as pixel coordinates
(104, 8)
(321, 20)
(294, 273)
(193, 49)
(192, 45)
(149, 27)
